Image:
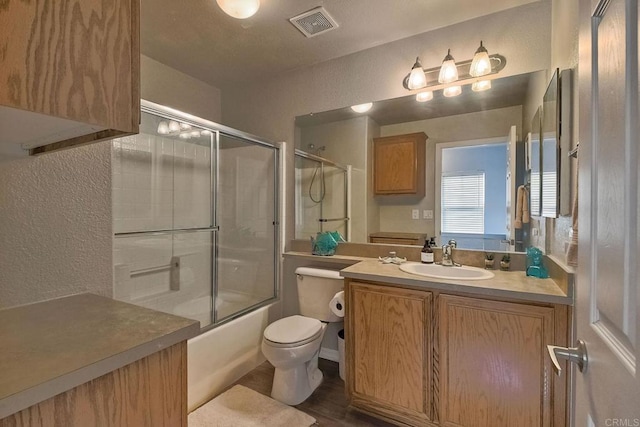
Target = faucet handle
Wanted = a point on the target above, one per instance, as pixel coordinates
(453, 243)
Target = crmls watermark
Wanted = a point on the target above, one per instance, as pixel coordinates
(622, 422)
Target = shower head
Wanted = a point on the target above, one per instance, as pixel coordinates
(317, 150)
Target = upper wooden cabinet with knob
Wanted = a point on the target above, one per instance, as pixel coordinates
(69, 73)
(398, 164)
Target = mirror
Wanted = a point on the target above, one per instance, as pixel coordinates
(555, 146)
(550, 149)
(473, 119)
(535, 187)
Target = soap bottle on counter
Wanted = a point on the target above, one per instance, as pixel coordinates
(426, 255)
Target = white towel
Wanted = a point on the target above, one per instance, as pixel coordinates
(522, 207)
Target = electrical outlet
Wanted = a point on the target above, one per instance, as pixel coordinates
(427, 214)
(415, 214)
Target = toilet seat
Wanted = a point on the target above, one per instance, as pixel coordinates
(293, 331)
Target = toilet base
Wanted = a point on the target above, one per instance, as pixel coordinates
(293, 386)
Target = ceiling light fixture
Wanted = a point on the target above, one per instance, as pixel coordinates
(362, 108)
(424, 96)
(239, 9)
(452, 74)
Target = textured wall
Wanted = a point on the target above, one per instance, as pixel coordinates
(55, 228)
(268, 108)
(167, 86)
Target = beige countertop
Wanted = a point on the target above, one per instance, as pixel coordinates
(53, 346)
(506, 284)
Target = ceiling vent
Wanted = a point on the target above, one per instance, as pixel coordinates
(314, 22)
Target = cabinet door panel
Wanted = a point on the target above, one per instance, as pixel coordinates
(399, 163)
(391, 352)
(493, 365)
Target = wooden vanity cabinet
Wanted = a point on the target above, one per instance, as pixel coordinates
(399, 164)
(69, 72)
(484, 361)
(389, 355)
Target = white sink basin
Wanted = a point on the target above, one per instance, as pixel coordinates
(437, 271)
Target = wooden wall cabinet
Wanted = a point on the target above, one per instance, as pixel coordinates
(484, 361)
(399, 164)
(69, 72)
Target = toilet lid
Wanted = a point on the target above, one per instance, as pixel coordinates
(292, 329)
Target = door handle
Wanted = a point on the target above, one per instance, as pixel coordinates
(577, 355)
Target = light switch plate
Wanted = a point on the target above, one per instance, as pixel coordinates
(415, 214)
(427, 214)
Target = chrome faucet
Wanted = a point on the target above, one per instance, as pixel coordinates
(447, 254)
(447, 261)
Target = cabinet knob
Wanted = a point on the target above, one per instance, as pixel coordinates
(577, 355)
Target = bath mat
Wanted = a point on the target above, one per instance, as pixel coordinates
(242, 407)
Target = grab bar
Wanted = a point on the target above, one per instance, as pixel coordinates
(333, 219)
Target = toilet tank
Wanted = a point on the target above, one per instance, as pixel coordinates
(316, 288)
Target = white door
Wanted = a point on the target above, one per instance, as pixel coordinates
(511, 189)
(608, 392)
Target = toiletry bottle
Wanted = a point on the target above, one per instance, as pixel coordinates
(426, 256)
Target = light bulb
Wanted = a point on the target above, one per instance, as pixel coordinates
(184, 126)
(206, 132)
(362, 108)
(424, 96)
(240, 9)
(481, 64)
(163, 128)
(185, 135)
(174, 126)
(481, 85)
(195, 134)
(448, 70)
(452, 91)
(417, 79)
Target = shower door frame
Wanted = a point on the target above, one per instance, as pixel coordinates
(347, 190)
(217, 130)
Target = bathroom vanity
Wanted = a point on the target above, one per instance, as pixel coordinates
(438, 352)
(88, 360)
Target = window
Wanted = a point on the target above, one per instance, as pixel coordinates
(463, 202)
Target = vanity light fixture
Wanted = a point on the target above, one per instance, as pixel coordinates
(362, 108)
(239, 9)
(448, 69)
(424, 96)
(452, 91)
(452, 75)
(181, 130)
(481, 64)
(417, 78)
(481, 85)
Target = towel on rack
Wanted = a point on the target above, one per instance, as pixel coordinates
(572, 249)
(522, 207)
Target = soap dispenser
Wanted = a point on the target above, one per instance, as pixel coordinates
(426, 255)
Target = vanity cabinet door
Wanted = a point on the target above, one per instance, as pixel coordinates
(493, 363)
(389, 352)
(399, 163)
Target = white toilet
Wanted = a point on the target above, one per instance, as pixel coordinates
(292, 344)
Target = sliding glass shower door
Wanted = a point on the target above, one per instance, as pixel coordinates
(247, 237)
(194, 217)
